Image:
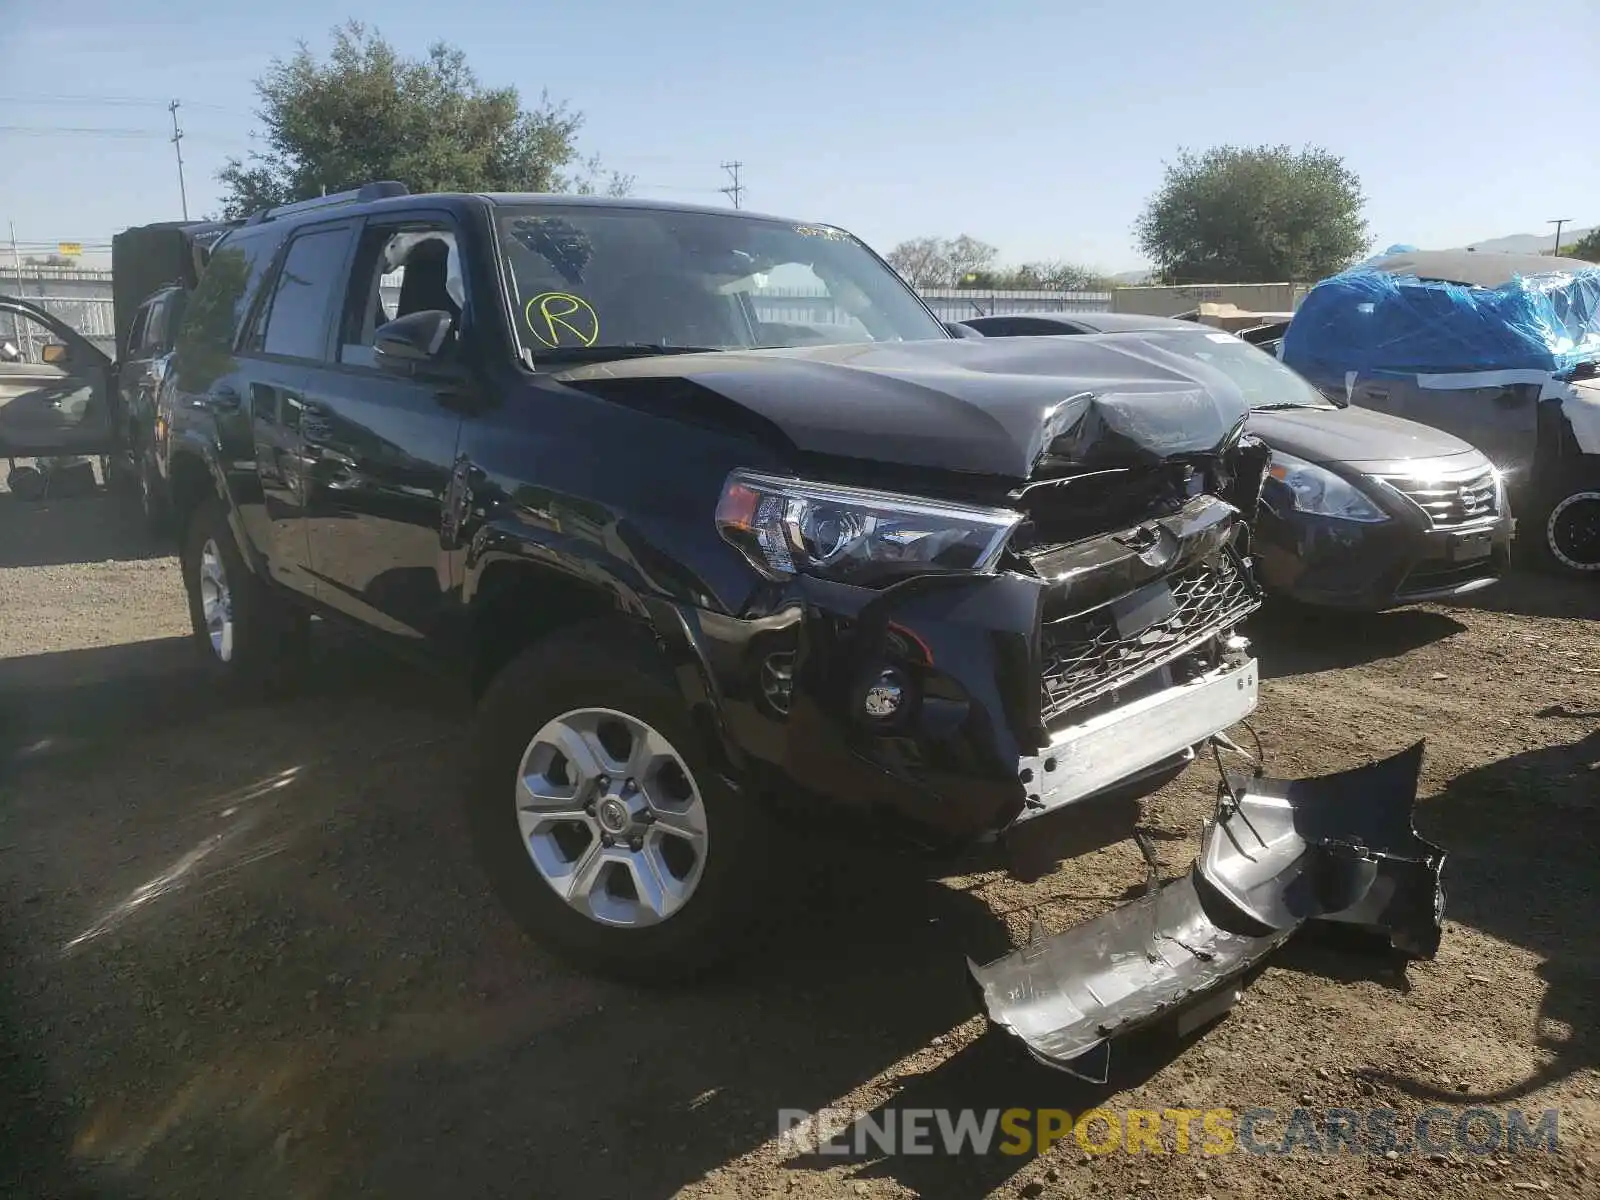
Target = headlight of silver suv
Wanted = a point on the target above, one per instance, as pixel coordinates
(854, 535)
(1317, 490)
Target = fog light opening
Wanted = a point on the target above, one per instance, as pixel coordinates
(885, 696)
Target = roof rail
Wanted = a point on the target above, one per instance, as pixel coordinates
(380, 190)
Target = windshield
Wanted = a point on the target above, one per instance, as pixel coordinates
(1254, 370)
(586, 278)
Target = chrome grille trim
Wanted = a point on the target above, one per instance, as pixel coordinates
(1452, 501)
(1085, 658)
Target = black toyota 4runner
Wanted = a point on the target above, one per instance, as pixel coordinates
(717, 516)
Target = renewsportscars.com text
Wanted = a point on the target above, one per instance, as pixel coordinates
(1206, 1132)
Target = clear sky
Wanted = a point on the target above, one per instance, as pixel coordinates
(1041, 128)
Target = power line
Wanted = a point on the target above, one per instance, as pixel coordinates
(90, 130)
(735, 190)
(108, 101)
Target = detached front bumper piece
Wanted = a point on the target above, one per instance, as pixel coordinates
(1279, 854)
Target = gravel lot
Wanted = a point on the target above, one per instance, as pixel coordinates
(246, 952)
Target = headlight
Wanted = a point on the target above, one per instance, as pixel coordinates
(852, 535)
(1319, 491)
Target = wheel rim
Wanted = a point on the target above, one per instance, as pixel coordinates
(611, 817)
(1573, 531)
(216, 601)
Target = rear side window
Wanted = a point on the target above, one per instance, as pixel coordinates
(297, 321)
(227, 289)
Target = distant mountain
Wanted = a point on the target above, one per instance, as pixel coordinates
(1526, 243)
(1132, 278)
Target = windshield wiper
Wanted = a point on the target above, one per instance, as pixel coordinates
(1283, 404)
(586, 354)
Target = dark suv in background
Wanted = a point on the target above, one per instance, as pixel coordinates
(719, 521)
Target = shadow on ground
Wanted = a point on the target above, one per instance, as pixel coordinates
(1295, 640)
(98, 528)
(1538, 594)
(250, 955)
(1524, 841)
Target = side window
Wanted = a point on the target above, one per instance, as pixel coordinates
(155, 330)
(136, 332)
(297, 319)
(398, 271)
(226, 294)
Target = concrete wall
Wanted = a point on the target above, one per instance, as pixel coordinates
(1159, 301)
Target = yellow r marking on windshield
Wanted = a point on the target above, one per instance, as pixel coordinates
(560, 318)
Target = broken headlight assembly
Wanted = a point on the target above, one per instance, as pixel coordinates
(1305, 487)
(786, 527)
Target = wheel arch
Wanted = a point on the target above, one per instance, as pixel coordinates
(516, 602)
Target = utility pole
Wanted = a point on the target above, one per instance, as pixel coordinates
(177, 138)
(736, 189)
(1558, 223)
(23, 329)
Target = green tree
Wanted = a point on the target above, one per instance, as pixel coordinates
(1259, 214)
(1587, 247)
(368, 113)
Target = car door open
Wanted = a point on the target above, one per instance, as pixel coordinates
(59, 398)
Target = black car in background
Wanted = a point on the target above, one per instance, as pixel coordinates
(1361, 510)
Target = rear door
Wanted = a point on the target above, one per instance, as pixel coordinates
(58, 395)
(290, 338)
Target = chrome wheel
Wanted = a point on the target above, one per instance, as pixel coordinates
(611, 817)
(216, 601)
(1573, 531)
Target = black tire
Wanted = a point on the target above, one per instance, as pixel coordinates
(1567, 529)
(609, 664)
(269, 635)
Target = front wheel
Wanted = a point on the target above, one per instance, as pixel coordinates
(1569, 530)
(600, 823)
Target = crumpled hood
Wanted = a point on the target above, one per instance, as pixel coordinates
(997, 407)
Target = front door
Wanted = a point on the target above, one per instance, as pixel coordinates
(57, 393)
(381, 446)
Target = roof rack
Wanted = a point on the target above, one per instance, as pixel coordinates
(381, 190)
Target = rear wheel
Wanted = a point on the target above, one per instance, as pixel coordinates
(600, 823)
(247, 636)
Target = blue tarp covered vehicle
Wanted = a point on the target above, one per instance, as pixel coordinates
(1498, 349)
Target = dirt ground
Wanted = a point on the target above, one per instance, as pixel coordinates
(246, 952)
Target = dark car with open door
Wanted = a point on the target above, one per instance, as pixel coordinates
(63, 400)
(58, 401)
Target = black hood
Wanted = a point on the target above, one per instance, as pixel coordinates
(1357, 437)
(1009, 408)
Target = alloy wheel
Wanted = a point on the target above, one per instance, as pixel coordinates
(611, 817)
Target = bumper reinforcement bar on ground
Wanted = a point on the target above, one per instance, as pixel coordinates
(1278, 854)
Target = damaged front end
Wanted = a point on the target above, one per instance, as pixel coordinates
(1277, 856)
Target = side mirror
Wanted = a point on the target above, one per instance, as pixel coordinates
(415, 340)
(54, 354)
(961, 331)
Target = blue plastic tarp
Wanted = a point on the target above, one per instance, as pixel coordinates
(1370, 321)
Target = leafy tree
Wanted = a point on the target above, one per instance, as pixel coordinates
(966, 262)
(49, 260)
(1587, 247)
(922, 262)
(368, 113)
(1259, 214)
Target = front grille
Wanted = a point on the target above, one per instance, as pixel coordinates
(1453, 501)
(1085, 657)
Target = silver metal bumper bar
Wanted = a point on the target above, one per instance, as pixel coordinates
(1107, 749)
